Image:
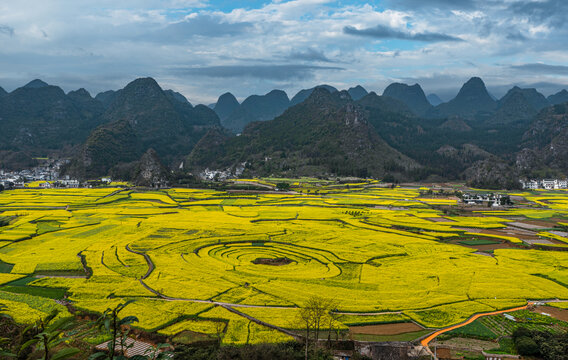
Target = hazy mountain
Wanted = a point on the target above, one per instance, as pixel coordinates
(413, 96)
(305, 93)
(472, 101)
(357, 92)
(89, 106)
(226, 104)
(327, 133)
(143, 116)
(36, 84)
(434, 99)
(535, 99)
(2, 92)
(257, 108)
(107, 97)
(558, 98)
(518, 105)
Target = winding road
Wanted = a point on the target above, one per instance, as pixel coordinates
(431, 337)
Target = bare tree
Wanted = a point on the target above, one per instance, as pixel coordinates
(314, 314)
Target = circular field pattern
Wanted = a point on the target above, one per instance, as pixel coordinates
(301, 262)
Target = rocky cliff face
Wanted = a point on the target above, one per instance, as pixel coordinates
(545, 144)
(492, 173)
(150, 171)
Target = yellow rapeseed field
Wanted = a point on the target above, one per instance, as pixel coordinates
(182, 253)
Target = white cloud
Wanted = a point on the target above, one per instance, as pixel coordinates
(106, 43)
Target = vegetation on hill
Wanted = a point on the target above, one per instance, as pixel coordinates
(325, 134)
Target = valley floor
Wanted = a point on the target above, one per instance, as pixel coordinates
(397, 263)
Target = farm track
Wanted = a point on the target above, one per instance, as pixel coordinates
(260, 322)
(432, 336)
(151, 265)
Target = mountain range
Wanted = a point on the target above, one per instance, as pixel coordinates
(402, 134)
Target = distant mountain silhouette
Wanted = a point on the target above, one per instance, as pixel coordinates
(434, 99)
(473, 100)
(533, 97)
(558, 98)
(519, 105)
(305, 93)
(225, 106)
(257, 108)
(36, 84)
(2, 92)
(357, 92)
(413, 96)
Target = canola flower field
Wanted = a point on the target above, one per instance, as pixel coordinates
(188, 256)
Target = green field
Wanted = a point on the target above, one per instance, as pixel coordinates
(180, 252)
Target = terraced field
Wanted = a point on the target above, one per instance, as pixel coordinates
(188, 257)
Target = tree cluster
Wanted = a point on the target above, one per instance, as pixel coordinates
(543, 344)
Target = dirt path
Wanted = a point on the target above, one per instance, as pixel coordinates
(148, 261)
(260, 322)
(431, 337)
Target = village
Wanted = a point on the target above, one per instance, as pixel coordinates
(48, 175)
(547, 184)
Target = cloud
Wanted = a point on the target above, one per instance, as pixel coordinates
(200, 25)
(310, 54)
(270, 72)
(385, 32)
(516, 36)
(541, 68)
(6, 30)
(431, 4)
(553, 12)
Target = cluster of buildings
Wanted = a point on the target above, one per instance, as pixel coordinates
(217, 175)
(46, 176)
(548, 184)
(486, 199)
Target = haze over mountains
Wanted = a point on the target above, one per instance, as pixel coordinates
(402, 134)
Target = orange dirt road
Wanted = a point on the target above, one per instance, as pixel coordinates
(427, 340)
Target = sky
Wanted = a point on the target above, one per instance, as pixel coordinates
(203, 48)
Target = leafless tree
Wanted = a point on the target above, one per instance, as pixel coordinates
(314, 314)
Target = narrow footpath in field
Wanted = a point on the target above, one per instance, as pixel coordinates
(431, 337)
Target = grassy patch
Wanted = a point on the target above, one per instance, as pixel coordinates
(5, 267)
(506, 346)
(476, 330)
(51, 293)
(475, 242)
